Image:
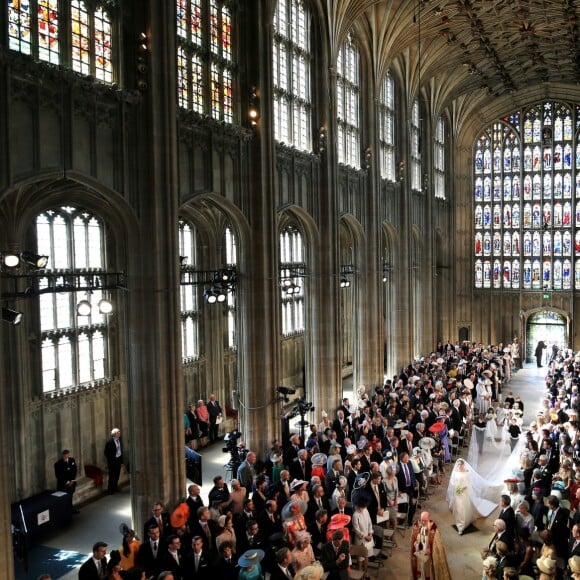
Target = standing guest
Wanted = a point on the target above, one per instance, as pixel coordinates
(193, 436)
(194, 501)
(160, 518)
(215, 417)
(225, 532)
(95, 568)
(282, 569)
(335, 557)
(173, 560)
(302, 554)
(237, 498)
(406, 481)
(539, 352)
(204, 528)
(129, 547)
(225, 567)
(114, 455)
(249, 564)
(428, 556)
(197, 565)
(202, 418)
(219, 494)
(65, 470)
(246, 472)
(151, 552)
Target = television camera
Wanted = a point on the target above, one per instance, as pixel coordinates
(236, 450)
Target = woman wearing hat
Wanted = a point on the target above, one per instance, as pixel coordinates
(313, 572)
(226, 532)
(298, 489)
(546, 566)
(392, 487)
(338, 522)
(249, 563)
(302, 554)
(129, 548)
(293, 520)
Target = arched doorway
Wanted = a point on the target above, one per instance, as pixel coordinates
(546, 325)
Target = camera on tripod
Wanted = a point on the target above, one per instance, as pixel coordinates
(230, 441)
(236, 450)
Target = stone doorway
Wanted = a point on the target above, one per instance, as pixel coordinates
(549, 326)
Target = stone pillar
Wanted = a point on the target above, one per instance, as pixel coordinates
(155, 382)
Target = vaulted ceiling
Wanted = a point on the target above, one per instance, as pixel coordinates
(471, 49)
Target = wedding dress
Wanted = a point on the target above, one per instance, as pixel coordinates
(470, 496)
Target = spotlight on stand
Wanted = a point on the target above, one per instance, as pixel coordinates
(10, 260)
(11, 316)
(35, 260)
(210, 296)
(344, 282)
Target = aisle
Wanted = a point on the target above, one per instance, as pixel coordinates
(463, 552)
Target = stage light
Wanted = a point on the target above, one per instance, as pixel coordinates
(10, 260)
(11, 316)
(210, 296)
(105, 306)
(35, 260)
(83, 308)
(344, 282)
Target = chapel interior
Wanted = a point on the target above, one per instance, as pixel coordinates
(267, 193)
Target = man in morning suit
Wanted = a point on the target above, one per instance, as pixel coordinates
(114, 454)
(151, 553)
(282, 569)
(173, 561)
(198, 564)
(65, 471)
(215, 411)
(95, 568)
(225, 567)
(335, 557)
(407, 483)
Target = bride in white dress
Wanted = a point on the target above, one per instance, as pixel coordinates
(470, 496)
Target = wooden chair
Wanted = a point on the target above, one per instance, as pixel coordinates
(360, 562)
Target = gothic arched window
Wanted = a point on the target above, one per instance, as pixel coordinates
(74, 348)
(231, 259)
(387, 128)
(189, 294)
(292, 283)
(37, 28)
(292, 73)
(347, 104)
(439, 159)
(415, 139)
(528, 164)
(205, 63)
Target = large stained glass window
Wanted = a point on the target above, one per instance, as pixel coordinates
(205, 63)
(526, 189)
(292, 73)
(347, 103)
(292, 280)
(387, 128)
(35, 27)
(74, 347)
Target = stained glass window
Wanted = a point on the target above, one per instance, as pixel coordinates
(74, 348)
(347, 101)
(20, 26)
(189, 296)
(292, 75)
(387, 128)
(415, 139)
(205, 65)
(291, 282)
(526, 188)
(439, 159)
(36, 27)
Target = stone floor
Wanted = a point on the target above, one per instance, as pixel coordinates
(101, 519)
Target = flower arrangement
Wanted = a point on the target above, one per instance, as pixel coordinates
(460, 489)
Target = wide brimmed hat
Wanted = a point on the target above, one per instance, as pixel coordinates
(574, 563)
(319, 459)
(180, 515)
(436, 428)
(338, 521)
(313, 572)
(275, 458)
(487, 373)
(288, 510)
(296, 483)
(468, 383)
(546, 565)
(361, 480)
(362, 498)
(351, 449)
(444, 405)
(427, 443)
(251, 558)
(400, 425)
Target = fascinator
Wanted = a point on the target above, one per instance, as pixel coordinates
(251, 558)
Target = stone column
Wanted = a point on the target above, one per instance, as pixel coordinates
(155, 383)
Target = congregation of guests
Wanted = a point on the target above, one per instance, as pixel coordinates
(368, 463)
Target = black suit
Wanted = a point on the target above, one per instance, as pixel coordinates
(193, 505)
(214, 409)
(375, 504)
(113, 463)
(318, 537)
(170, 564)
(65, 471)
(505, 537)
(243, 543)
(276, 572)
(409, 489)
(558, 525)
(209, 545)
(573, 548)
(267, 526)
(313, 508)
(509, 517)
(204, 567)
(89, 571)
(329, 560)
(146, 560)
(225, 570)
(165, 528)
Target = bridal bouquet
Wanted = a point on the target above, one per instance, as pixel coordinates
(460, 489)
